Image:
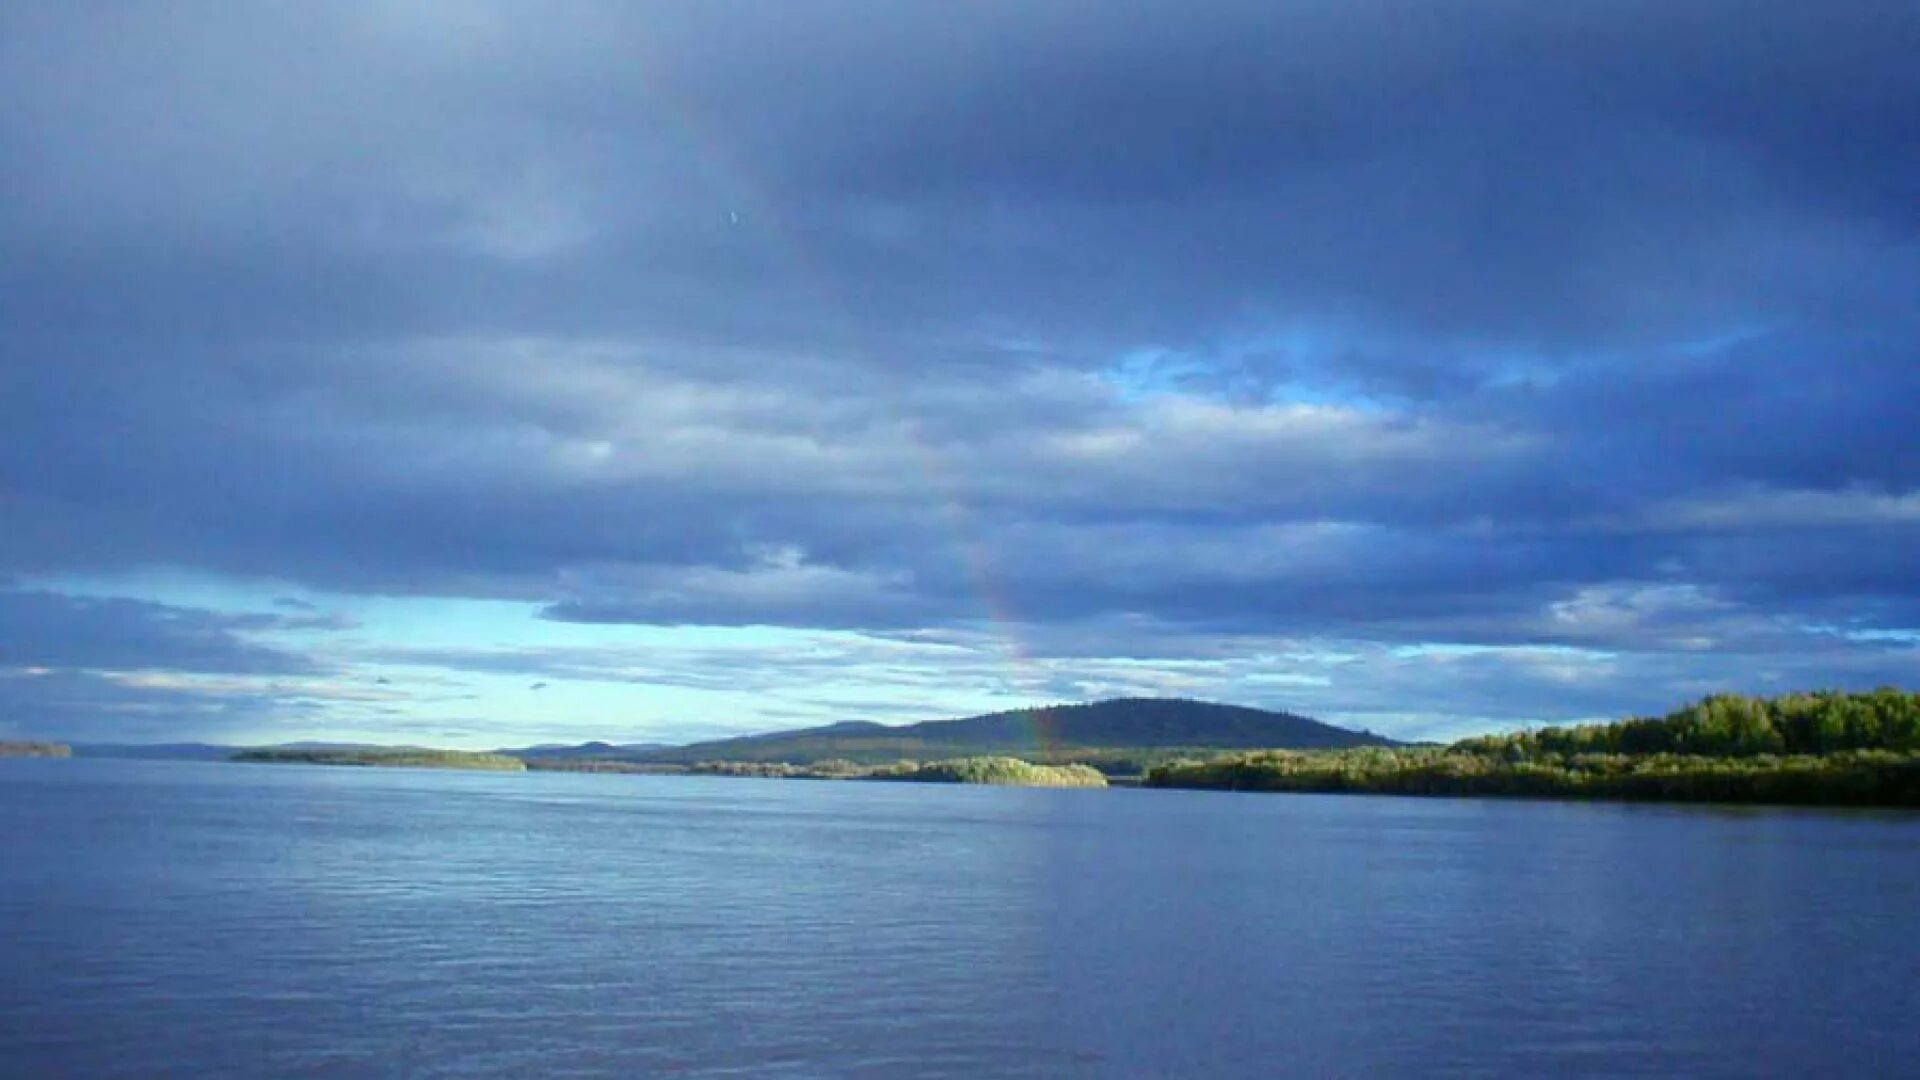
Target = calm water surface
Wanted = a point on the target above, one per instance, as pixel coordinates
(206, 920)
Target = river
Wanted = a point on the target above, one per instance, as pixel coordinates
(215, 920)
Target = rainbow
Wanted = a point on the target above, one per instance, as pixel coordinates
(750, 206)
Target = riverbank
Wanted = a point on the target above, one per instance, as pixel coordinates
(1824, 749)
(991, 769)
(1859, 778)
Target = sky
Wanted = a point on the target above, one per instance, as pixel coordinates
(479, 373)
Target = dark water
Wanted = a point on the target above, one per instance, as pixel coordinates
(200, 920)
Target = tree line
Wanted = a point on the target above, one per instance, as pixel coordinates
(1815, 748)
(1734, 725)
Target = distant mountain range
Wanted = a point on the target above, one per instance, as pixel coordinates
(1122, 733)
(1119, 730)
(189, 751)
(198, 751)
(587, 751)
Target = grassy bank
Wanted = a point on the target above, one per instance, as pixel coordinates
(1816, 749)
(992, 770)
(966, 770)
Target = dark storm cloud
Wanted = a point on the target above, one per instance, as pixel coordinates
(50, 630)
(87, 707)
(1487, 173)
(1583, 325)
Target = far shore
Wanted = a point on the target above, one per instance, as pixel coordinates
(34, 749)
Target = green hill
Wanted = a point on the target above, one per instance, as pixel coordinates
(1120, 735)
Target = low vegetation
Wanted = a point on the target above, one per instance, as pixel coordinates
(832, 769)
(965, 770)
(1826, 748)
(417, 759)
(588, 765)
(992, 770)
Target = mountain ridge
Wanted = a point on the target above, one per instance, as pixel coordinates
(1114, 730)
(595, 750)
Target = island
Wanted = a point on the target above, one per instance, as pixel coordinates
(34, 749)
(1120, 737)
(993, 770)
(382, 757)
(1825, 748)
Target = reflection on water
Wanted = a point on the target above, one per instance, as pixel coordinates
(226, 920)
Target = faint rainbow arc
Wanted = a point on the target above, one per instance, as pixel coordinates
(723, 169)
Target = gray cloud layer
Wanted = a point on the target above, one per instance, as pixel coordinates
(1502, 324)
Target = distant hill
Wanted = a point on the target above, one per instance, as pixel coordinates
(588, 751)
(198, 751)
(155, 751)
(1119, 734)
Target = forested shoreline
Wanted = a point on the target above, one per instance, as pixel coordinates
(1823, 748)
(418, 759)
(1826, 748)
